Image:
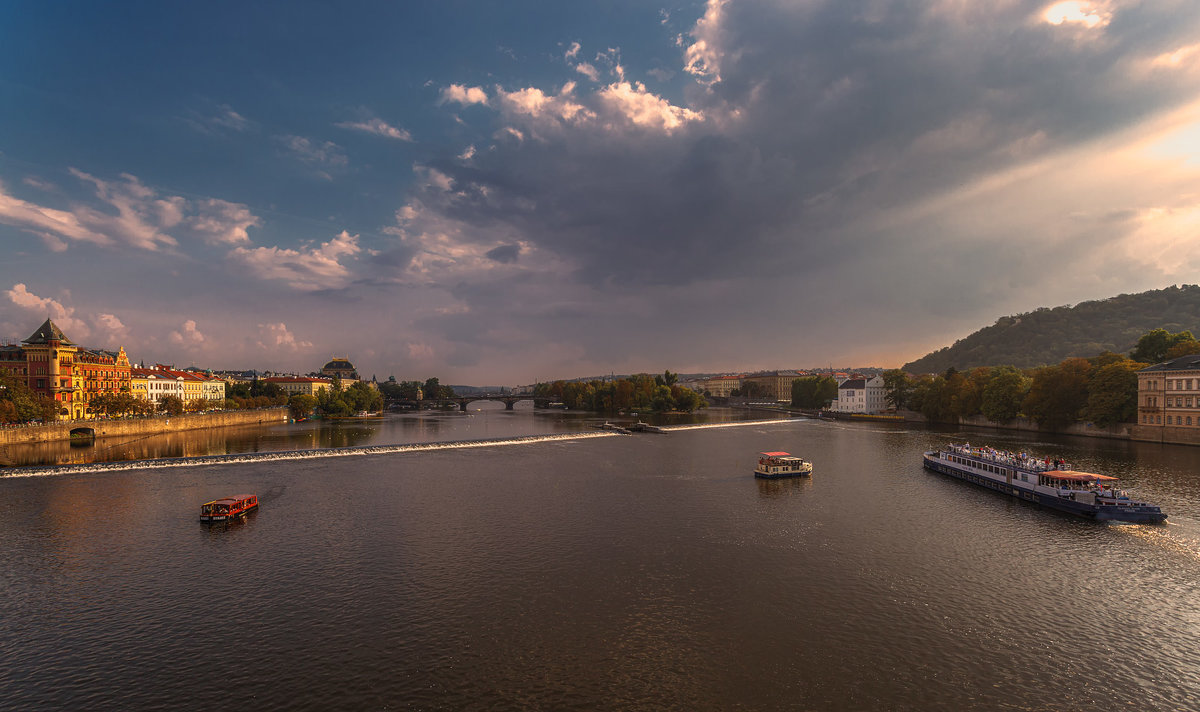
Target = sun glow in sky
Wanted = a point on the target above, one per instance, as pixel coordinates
(1076, 11)
(496, 193)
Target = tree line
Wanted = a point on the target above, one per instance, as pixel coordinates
(638, 393)
(1100, 390)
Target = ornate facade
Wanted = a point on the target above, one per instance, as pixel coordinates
(71, 376)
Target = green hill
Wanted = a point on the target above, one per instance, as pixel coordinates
(1047, 336)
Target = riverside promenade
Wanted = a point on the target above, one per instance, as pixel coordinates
(125, 427)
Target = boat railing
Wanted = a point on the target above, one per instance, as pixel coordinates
(1029, 464)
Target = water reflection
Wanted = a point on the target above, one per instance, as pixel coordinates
(486, 422)
(775, 489)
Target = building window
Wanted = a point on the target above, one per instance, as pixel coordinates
(1189, 420)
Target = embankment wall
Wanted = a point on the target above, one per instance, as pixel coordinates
(1121, 431)
(156, 425)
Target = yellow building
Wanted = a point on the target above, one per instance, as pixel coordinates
(1169, 400)
(775, 385)
(722, 386)
(303, 385)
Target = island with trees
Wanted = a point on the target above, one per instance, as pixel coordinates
(639, 393)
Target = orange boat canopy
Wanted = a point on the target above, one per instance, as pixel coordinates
(776, 454)
(1075, 476)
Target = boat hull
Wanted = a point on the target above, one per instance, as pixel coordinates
(1133, 514)
(782, 475)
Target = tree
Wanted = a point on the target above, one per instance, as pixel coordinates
(897, 388)
(1004, 393)
(362, 397)
(968, 396)
(931, 398)
(1112, 394)
(813, 391)
(24, 404)
(1183, 348)
(301, 405)
(171, 405)
(1058, 394)
(686, 399)
(260, 387)
(1154, 345)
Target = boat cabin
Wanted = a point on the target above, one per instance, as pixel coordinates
(227, 507)
(781, 464)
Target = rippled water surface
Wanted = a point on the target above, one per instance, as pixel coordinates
(614, 572)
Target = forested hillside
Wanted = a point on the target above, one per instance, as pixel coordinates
(1048, 336)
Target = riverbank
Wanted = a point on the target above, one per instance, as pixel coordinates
(130, 427)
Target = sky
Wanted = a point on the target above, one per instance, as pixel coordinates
(511, 192)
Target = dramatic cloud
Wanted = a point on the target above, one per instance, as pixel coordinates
(308, 269)
(719, 172)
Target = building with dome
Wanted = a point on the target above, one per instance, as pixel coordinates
(342, 368)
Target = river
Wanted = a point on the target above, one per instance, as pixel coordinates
(559, 568)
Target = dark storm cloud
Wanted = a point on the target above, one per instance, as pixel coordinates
(504, 254)
(845, 114)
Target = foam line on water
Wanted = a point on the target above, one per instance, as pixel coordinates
(738, 424)
(282, 455)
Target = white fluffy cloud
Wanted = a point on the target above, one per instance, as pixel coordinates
(641, 108)
(459, 94)
(305, 269)
(276, 337)
(128, 213)
(187, 334)
(52, 308)
(703, 56)
(101, 329)
(222, 222)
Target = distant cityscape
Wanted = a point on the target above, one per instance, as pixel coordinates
(81, 381)
(77, 379)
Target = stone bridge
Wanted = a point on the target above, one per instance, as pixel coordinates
(463, 401)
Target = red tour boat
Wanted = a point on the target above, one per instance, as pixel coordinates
(222, 510)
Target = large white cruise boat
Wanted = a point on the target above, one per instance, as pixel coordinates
(1048, 482)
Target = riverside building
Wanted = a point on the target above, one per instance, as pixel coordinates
(1169, 401)
(54, 366)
